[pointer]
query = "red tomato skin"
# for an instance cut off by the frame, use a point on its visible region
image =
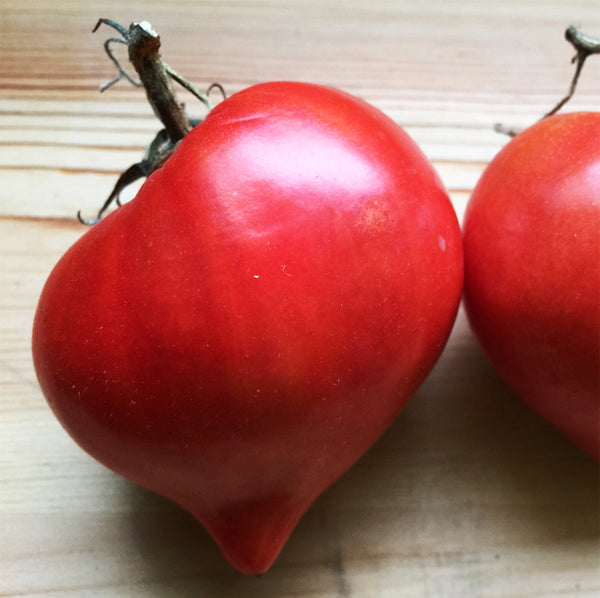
(532, 270)
(240, 333)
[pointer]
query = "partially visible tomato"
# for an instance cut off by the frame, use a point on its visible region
(239, 334)
(532, 270)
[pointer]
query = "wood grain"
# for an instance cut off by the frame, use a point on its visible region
(467, 494)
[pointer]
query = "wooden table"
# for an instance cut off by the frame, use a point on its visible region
(468, 494)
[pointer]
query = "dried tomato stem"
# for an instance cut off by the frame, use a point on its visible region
(144, 44)
(585, 46)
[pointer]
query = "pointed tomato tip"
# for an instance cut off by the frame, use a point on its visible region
(250, 564)
(252, 554)
(251, 535)
(252, 551)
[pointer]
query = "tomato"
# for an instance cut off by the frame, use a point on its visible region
(240, 333)
(532, 270)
